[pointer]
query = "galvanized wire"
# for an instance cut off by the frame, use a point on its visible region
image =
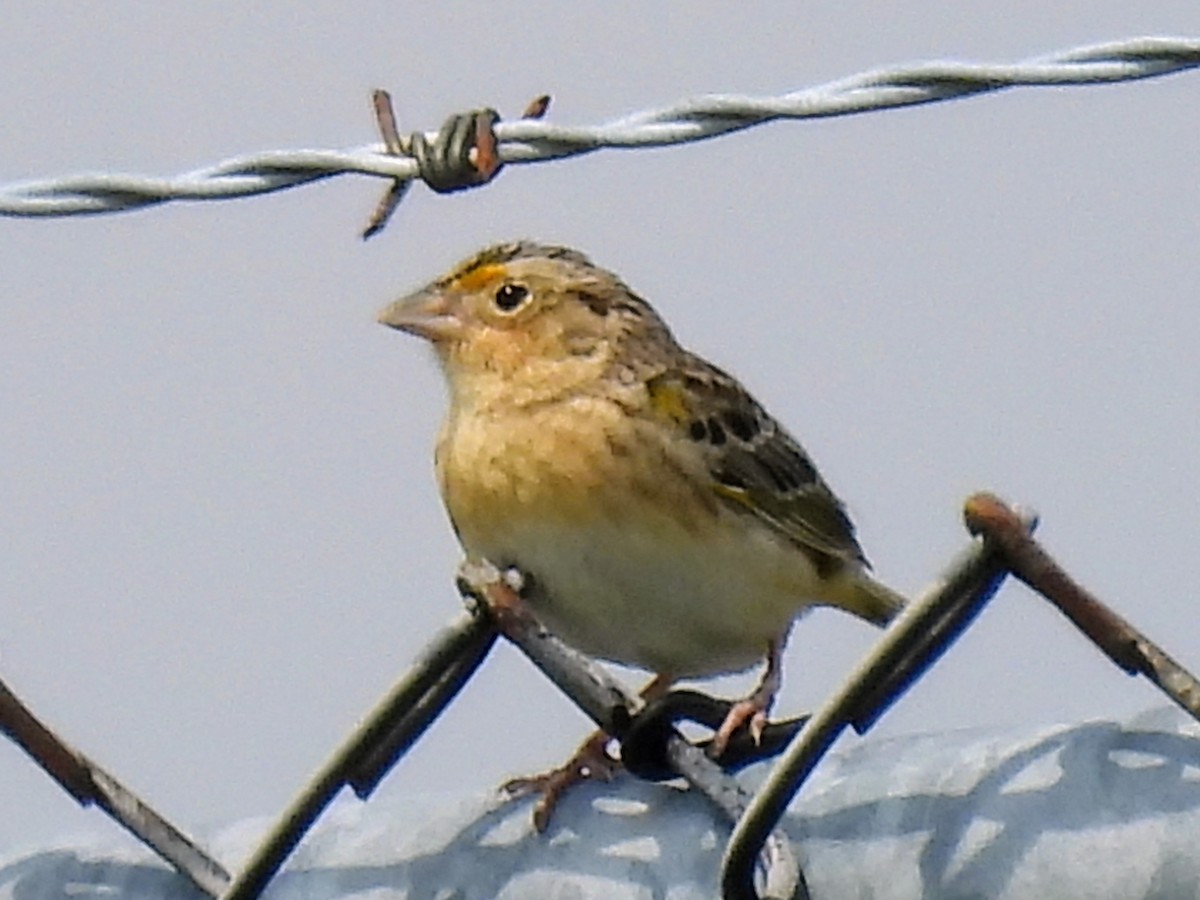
(694, 119)
(914, 641)
(374, 746)
(89, 785)
(613, 707)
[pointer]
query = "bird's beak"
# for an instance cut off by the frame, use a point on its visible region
(430, 313)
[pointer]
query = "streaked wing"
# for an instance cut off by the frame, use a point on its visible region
(757, 467)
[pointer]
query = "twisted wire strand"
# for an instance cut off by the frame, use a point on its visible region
(692, 119)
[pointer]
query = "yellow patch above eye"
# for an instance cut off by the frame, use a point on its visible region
(481, 276)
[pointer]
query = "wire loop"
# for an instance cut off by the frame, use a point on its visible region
(463, 155)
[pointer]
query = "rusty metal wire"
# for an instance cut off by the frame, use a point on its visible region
(913, 642)
(693, 119)
(919, 636)
(91, 785)
(613, 708)
(1117, 638)
(469, 151)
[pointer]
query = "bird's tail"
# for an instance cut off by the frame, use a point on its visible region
(859, 593)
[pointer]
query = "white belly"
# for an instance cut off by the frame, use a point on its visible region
(680, 603)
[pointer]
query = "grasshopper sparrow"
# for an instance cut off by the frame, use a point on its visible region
(667, 520)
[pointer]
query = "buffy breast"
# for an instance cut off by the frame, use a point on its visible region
(643, 571)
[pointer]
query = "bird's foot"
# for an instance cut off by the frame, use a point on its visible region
(752, 711)
(590, 762)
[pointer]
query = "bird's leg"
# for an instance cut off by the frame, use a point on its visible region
(752, 710)
(591, 761)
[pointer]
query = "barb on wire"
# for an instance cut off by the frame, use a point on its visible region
(694, 119)
(385, 117)
(463, 155)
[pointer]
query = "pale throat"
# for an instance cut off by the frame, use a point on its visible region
(510, 383)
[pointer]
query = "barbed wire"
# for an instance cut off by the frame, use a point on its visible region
(693, 119)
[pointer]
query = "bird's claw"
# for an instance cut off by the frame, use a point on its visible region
(591, 762)
(750, 713)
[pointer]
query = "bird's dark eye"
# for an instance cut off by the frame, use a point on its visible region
(509, 296)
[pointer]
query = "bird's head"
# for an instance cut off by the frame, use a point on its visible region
(528, 320)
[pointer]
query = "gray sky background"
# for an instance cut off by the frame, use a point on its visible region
(222, 540)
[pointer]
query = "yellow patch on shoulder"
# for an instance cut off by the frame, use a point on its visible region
(481, 276)
(737, 495)
(668, 400)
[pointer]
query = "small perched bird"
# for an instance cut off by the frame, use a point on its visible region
(667, 520)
